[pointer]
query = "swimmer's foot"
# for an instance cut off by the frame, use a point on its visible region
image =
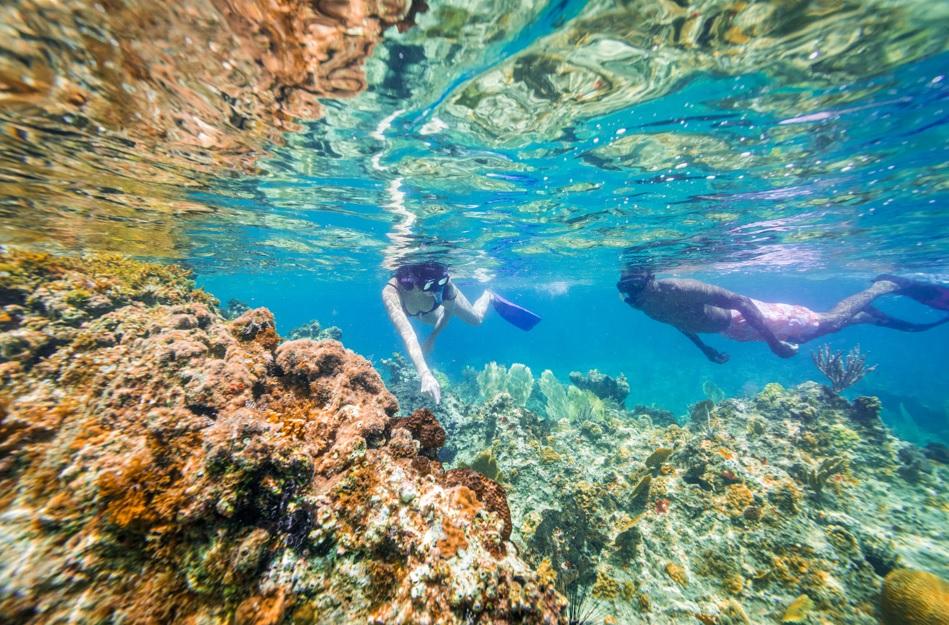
(927, 293)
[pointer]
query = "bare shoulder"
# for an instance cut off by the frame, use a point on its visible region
(683, 286)
(390, 293)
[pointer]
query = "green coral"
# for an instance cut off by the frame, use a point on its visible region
(486, 464)
(518, 382)
(571, 403)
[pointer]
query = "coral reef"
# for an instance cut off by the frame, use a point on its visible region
(792, 504)
(159, 464)
(603, 386)
(313, 330)
(788, 506)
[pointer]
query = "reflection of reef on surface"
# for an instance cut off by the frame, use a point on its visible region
(159, 464)
(617, 54)
(147, 99)
(793, 504)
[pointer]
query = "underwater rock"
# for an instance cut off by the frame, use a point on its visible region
(314, 331)
(913, 597)
(914, 463)
(658, 416)
(488, 492)
(159, 464)
(603, 386)
(937, 451)
(234, 309)
(424, 428)
(867, 409)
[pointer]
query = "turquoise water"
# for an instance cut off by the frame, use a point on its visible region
(787, 151)
(790, 187)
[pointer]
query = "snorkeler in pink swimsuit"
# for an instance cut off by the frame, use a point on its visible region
(695, 307)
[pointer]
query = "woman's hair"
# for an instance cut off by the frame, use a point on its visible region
(417, 274)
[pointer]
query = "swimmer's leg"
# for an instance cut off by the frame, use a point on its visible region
(471, 313)
(846, 310)
(883, 320)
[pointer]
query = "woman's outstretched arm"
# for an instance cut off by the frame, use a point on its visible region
(403, 326)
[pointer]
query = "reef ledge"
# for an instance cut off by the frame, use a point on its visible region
(160, 464)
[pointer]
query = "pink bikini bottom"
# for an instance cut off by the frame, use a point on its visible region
(787, 321)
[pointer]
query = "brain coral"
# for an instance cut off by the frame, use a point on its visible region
(913, 597)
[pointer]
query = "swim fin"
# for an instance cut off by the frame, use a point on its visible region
(514, 314)
(926, 293)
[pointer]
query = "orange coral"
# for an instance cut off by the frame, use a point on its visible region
(453, 539)
(737, 498)
(677, 574)
(488, 492)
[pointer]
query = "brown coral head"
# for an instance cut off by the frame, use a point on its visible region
(424, 428)
(257, 324)
(489, 493)
(912, 597)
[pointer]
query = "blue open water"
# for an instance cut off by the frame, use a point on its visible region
(796, 191)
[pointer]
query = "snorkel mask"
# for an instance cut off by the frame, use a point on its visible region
(429, 277)
(632, 283)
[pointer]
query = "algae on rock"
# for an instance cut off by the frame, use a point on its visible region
(159, 464)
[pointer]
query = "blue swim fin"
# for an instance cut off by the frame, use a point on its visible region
(514, 314)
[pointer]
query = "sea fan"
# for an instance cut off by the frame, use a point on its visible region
(842, 370)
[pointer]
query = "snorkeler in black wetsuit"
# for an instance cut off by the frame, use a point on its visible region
(695, 307)
(425, 290)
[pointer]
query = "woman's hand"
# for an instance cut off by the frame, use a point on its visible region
(430, 387)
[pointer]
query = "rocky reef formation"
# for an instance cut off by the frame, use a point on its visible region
(790, 506)
(314, 331)
(159, 464)
(129, 99)
(602, 385)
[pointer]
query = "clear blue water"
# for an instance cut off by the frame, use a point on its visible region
(788, 151)
(793, 190)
